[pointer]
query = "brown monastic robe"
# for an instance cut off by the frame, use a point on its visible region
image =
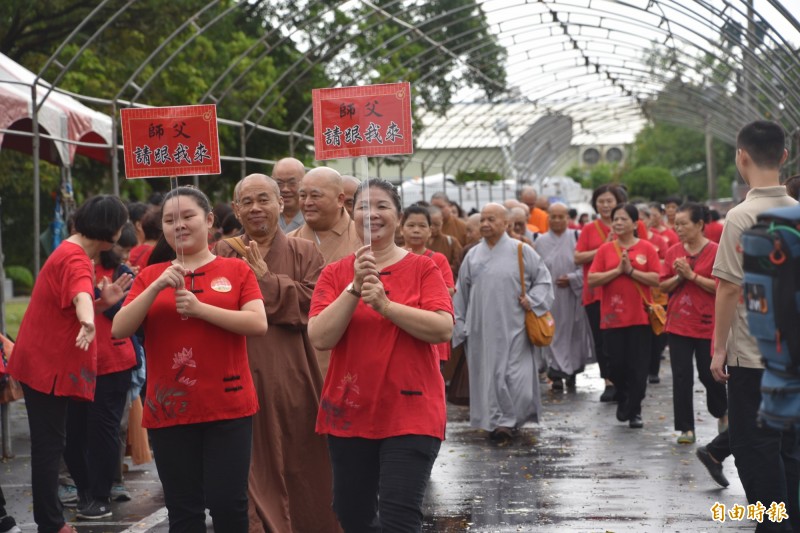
(338, 244)
(448, 246)
(290, 473)
(457, 228)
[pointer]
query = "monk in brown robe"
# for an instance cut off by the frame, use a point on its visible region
(290, 481)
(451, 225)
(327, 223)
(447, 245)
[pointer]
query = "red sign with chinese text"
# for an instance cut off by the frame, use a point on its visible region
(362, 121)
(170, 141)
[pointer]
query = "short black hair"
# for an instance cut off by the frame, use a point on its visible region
(230, 224)
(793, 186)
(657, 205)
(385, 186)
(674, 199)
(101, 217)
(127, 239)
(573, 213)
(697, 212)
(628, 208)
(416, 210)
(136, 211)
(608, 187)
(764, 141)
(151, 223)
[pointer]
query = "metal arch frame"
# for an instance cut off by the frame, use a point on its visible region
(560, 11)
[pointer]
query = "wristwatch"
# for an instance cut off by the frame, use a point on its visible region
(352, 290)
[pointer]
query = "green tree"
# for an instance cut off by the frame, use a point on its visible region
(681, 150)
(652, 183)
(463, 176)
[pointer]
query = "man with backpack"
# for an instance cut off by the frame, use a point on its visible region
(763, 457)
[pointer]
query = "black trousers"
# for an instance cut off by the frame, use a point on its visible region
(628, 352)
(92, 451)
(659, 342)
(765, 458)
(201, 466)
(47, 417)
(682, 351)
(593, 314)
(379, 485)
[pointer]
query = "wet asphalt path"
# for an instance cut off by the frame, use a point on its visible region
(578, 470)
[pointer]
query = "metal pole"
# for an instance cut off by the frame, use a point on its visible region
(36, 207)
(4, 418)
(114, 154)
(243, 150)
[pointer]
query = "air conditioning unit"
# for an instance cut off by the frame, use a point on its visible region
(590, 155)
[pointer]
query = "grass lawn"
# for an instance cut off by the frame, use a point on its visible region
(14, 312)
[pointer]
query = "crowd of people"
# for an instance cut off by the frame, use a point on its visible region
(296, 379)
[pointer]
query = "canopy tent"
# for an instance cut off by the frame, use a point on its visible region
(61, 118)
(32, 111)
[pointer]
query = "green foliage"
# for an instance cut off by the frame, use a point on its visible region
(464, 176)
(652, 183)
(23, 277)
(681, 150)
(14, 313)
(602, 173)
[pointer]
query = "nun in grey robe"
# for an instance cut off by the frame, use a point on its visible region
(572, 347)
(503, 383)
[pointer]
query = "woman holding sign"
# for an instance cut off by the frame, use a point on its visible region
(382, 407)
(200, 395)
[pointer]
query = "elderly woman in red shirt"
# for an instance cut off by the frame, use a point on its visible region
(686, 275)
(382, 405)
(626, 268)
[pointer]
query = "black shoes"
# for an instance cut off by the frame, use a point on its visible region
(622, 411)
(653, 378)
(608, 394)
(558, 384)
(95, 510)
(714, 468)
(636, 422)
(9, 525)
(570, 382)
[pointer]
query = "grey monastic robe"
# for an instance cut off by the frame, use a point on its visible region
(503, 385)
(572, 345)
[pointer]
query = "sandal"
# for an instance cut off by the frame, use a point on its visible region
(687, 437)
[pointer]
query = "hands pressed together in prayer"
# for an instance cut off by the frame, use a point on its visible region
(255, 260)
(682, 268)
(625, 266)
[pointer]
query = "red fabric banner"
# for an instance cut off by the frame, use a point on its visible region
(371, 120)
(170, 141)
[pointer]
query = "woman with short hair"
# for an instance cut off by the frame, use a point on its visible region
(55, 357)
(626, 268)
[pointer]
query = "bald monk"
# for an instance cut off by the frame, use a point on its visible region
(490, 316)
(289, 488)
(287, 173)
(349, 184)
(538, 217)
(447, 245)
(327, 224)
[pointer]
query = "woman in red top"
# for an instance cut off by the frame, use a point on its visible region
(55, 357)
(626, 268)
(200, 395)
(416, 232)
(92, 448)
(686, 275)
(604, 199)
(382, 406)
